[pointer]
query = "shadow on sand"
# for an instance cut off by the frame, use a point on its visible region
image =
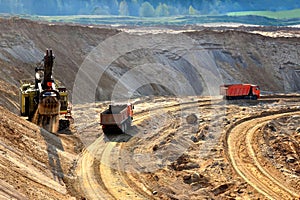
(53, 145)
(116, 135)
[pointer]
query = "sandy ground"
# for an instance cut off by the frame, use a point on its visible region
(35, 164)
(165, 157)
(231, 150)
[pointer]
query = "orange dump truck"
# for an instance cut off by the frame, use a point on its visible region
(240, 91)
(117, 116)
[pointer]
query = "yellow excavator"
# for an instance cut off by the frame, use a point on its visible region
(42, 101)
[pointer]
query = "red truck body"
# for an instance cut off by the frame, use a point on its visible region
(117, 116)
(240, 91)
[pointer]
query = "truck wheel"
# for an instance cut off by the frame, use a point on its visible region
(129, 121)
(128, 125)
(253, 97)
(123, 128)
(105, 130)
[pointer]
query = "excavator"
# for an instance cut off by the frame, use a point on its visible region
(42, 101)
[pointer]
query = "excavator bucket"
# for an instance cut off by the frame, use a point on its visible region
(47, 113)
(49, 103)
(49, 123)
(49, 106)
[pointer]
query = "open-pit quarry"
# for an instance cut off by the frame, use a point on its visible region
(186, 141)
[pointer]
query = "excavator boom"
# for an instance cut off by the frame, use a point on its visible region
(48, 65)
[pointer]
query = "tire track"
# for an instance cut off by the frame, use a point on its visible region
(242, 155)
(117, 180)
(98, 180)
(250, 142)
(132, 178)
(93, 169)
(90, 184)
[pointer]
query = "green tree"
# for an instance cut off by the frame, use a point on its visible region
(147, 10)
(162, 10)
(173, 10)
(133, 7)
(123, 8)
(205, 7)
(113, 6)
(101, 10)
(192, 11)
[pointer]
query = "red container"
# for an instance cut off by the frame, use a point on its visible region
(240, 91)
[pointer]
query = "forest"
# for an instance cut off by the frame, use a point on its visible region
(141, 8)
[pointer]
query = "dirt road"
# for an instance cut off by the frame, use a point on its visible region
(242, 153)
(102, 167)
(125, 166)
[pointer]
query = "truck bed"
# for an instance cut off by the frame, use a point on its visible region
(115, 109)
(235, 90)
(115, 115)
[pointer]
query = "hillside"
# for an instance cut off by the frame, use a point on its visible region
(199, 60)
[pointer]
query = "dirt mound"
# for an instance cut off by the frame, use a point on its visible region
(34, 163)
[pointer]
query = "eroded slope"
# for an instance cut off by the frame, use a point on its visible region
(34, 163)
(200, 58)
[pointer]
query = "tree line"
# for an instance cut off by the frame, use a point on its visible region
(142, 8)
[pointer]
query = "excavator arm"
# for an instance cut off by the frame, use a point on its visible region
(48, 65)
(48, 109)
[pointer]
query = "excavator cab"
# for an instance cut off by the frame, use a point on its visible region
(256, 91)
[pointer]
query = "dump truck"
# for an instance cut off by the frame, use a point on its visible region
(240, 91)
(41, 100)
(117, 117)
